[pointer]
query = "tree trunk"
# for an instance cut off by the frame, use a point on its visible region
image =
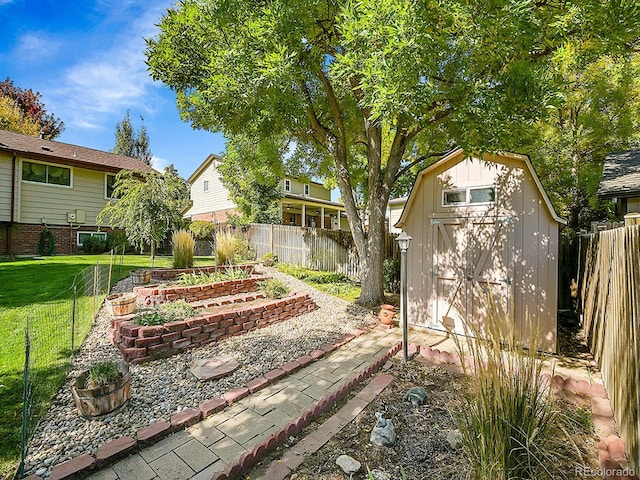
(371, 266)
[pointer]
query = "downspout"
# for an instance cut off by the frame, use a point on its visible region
(13, 205)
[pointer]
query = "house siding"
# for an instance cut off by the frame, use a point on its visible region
(315, 190)
(5, 188)
(53, 202)
(394, 215)
(215, 199)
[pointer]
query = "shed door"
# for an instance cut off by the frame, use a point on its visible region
(471, 266)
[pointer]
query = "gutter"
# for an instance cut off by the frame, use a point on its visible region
(13, 205)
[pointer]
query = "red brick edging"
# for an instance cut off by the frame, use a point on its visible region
(151, 295)
(83, 465)
(172, 273)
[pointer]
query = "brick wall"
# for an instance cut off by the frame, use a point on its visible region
(153, 295)
(140, 344)
(172, 273)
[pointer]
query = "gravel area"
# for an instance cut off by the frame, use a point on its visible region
(163, 387)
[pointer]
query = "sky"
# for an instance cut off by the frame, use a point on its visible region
(86, 58)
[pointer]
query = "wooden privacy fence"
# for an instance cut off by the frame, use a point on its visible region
(316, 248)
(611, 309)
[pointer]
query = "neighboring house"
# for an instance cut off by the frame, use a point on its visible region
(302, 204)
(482, 226)
(396, 206)
(621, 181)
(55, 186)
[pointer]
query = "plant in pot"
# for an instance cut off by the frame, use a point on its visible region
(101, 389)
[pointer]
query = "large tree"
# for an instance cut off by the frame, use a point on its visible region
(360, 86)
(132, 143)
(13, 120)
(146, 205)
(29, 103)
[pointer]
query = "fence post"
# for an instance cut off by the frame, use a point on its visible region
(73, 317)
(25, 401)
(96, 278)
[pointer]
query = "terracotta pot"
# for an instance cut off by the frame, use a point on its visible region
(122, 303)
(140, 277)
(386, 314)
(93, 402)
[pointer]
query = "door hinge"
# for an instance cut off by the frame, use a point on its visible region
(435, 222)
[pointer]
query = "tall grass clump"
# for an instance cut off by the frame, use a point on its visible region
(183, 247)
(512, 427)
(232, 249)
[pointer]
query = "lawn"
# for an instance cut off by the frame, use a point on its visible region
(40, 288)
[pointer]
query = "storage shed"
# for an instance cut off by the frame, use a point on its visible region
(482, 226)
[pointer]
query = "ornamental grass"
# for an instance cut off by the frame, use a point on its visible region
(183, 249)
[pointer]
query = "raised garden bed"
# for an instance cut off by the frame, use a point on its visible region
(151, 295)
(143, 343)
(165, 274)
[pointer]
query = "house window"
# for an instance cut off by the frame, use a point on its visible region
(109, 182)
(468, 196)
(306, 189)
(287, 185)
(82, 236)
(206, 185)
(44, 173)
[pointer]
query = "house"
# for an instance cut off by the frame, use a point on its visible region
(56, 186)
(482, 226)
(395, 207)
(302, 204)
(621, 181)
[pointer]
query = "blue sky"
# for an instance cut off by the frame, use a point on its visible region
(86, 58)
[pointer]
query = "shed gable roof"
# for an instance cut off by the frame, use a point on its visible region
(620, 175)
(459, 154)
(67, 154)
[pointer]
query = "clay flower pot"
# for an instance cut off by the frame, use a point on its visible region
(386, 314)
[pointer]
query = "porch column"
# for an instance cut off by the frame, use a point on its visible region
(322, 217)
(304, 215)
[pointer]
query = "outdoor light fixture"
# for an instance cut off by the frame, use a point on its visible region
(404, 241)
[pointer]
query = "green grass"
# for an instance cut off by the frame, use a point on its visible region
(27, 287)
(335, 284)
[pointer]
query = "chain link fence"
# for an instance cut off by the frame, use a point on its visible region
(54, 332)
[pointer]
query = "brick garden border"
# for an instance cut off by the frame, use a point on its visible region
(106, 454)
(139, 344)
(172, 273)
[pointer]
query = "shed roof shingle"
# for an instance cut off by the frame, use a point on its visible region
(49, 150)
(621, 175)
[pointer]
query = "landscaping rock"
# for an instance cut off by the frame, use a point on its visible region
(384, 433)
(349, 465)
(213, 367)
(380, 475)
(454, 438)
(416, 395)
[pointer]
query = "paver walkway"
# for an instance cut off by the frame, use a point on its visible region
(209, 446)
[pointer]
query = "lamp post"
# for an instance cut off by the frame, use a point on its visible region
(404, 241)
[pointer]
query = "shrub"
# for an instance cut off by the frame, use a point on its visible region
(274, 288)
(183, 248)
(232, 249)
(94, 245)
(511, 425)
(391, 275)
(167, 312)
(202, 230)
(117, 241)
(269, 259)
(102, 374)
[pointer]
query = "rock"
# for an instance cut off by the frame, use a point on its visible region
(349, 465)
(41, 471)
(384, 433)
(214, 367)
(416, 395)
(454, 438)
(380, 475)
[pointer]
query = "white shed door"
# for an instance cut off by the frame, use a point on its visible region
(471, 266)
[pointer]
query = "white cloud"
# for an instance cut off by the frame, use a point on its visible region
(160, 164)
(34, 46)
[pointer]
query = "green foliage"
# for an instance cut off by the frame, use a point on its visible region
(166, 312)
(312, 276)
(353, 92)
(148, 205)
(130, 143)
(269, 259)
(511, 425)
(94, 245)
(274, 288)
(232, 249)
(391, 275)
(202, 230)
(183, 248)
(195, 278)
(102, 374)
(117, 241)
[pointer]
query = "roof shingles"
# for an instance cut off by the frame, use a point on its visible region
(621, 175)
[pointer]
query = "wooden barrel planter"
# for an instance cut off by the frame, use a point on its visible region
(122, 303)
(386, 314)
(94, 402)
(140, 277)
